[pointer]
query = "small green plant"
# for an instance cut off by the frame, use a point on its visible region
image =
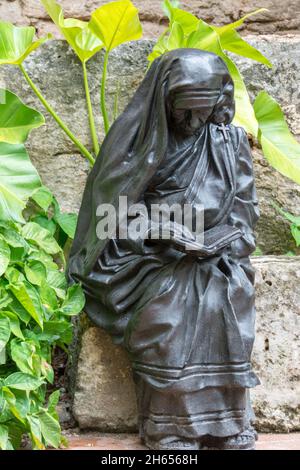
(35, 302)
(294, 224)
(35, 310)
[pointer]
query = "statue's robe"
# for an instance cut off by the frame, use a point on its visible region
(187, 322)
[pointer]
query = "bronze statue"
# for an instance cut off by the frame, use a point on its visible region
(186, 316)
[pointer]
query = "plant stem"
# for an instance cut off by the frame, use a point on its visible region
(90, 110)
(49, 108)
(103, 102)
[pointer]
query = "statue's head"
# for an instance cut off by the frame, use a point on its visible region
(199, 90)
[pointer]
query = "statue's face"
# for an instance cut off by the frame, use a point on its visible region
(189, 120)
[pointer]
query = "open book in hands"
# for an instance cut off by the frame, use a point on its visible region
(215, 239)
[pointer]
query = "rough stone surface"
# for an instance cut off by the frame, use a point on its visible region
(282, 15)
(104, 392)
(105, 396)
(57, 72)
(277, 349)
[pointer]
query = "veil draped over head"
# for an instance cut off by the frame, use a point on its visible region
(138, 140)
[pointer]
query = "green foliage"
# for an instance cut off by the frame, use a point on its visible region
(35, 302)
(294, 223)
(35, 311)
(279, 146)
(78, 34)
(16, 43)
(116, 23)
(16, 119)
(18, 180)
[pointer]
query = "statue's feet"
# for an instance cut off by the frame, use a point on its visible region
(172, 443)
(242, 441)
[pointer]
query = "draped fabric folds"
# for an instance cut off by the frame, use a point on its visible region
(187, 322)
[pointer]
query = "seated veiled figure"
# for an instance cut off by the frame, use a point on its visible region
(186, 316)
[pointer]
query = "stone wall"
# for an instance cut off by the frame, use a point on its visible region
(283, 16)
(57, 72)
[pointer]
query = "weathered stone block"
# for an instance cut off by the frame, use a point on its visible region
(104, 395)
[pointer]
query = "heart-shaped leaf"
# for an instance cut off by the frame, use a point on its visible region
(17, 42)
(116, 23)
(18, 180)
(17, 119)
(233, 42)
(77, 33)
(279, 146)
(21, 381)
(4, 255)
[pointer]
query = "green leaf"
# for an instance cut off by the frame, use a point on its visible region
(14, 323)
(67, 223)
(17, 119)
(240, 22)
(35, 431)
(14, 239)
(50, 429)
(295, 231)
(74, 301)
(4, 256)
(19, 310)
(47, 371)
(3, 437)
(290, 217)
(41, 237)
(77, 33)
(115, 23)
(43, 197)
(4, 333)
(16, 43)
(21, 381)
(60, 330)
(53, 401)
(57, 280)
(22, 354)
(43, 221)
(12, 403)
(187, 21)
(279, 146)
(168, 6)
(26, 295)
(35, 272)
(233, 42)
(18, 180)
(176, 38)
(48, 297)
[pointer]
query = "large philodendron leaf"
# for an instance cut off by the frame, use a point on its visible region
(279, 146)
(187, 21)
(77, 33)
(233, 42)
(16, 43)
(116, 23)
(16, 119)
(18, 180)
